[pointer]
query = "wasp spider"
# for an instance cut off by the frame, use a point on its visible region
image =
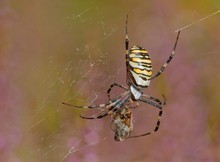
(139, 75)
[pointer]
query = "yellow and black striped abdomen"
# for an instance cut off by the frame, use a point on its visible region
(139, 70)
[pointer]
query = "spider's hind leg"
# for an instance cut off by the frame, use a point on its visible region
(168, 60)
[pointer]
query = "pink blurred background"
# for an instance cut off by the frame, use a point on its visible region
(54, 51)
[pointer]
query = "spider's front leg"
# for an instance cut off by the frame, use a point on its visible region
(159, 105)
(155, 99)
(100, 115)
(155, 129)
(111, 86)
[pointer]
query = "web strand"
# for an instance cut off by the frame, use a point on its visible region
(198, 21)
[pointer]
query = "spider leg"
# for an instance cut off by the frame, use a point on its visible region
(89, 107)
(155, 129)
(126, 36)
(114, 108)
(159, 106)
(127, 48)
(97, 117)
(111, 86)
(159, 115)
(108, 105)
(168, 60)
(111, 107)
(155, 99)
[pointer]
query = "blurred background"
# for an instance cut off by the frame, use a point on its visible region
(71, 51)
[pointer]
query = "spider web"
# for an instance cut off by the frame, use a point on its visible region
(80, 70)
(90, 67)
(89, 59)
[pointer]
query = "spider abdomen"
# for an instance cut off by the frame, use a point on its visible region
(139, 69)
